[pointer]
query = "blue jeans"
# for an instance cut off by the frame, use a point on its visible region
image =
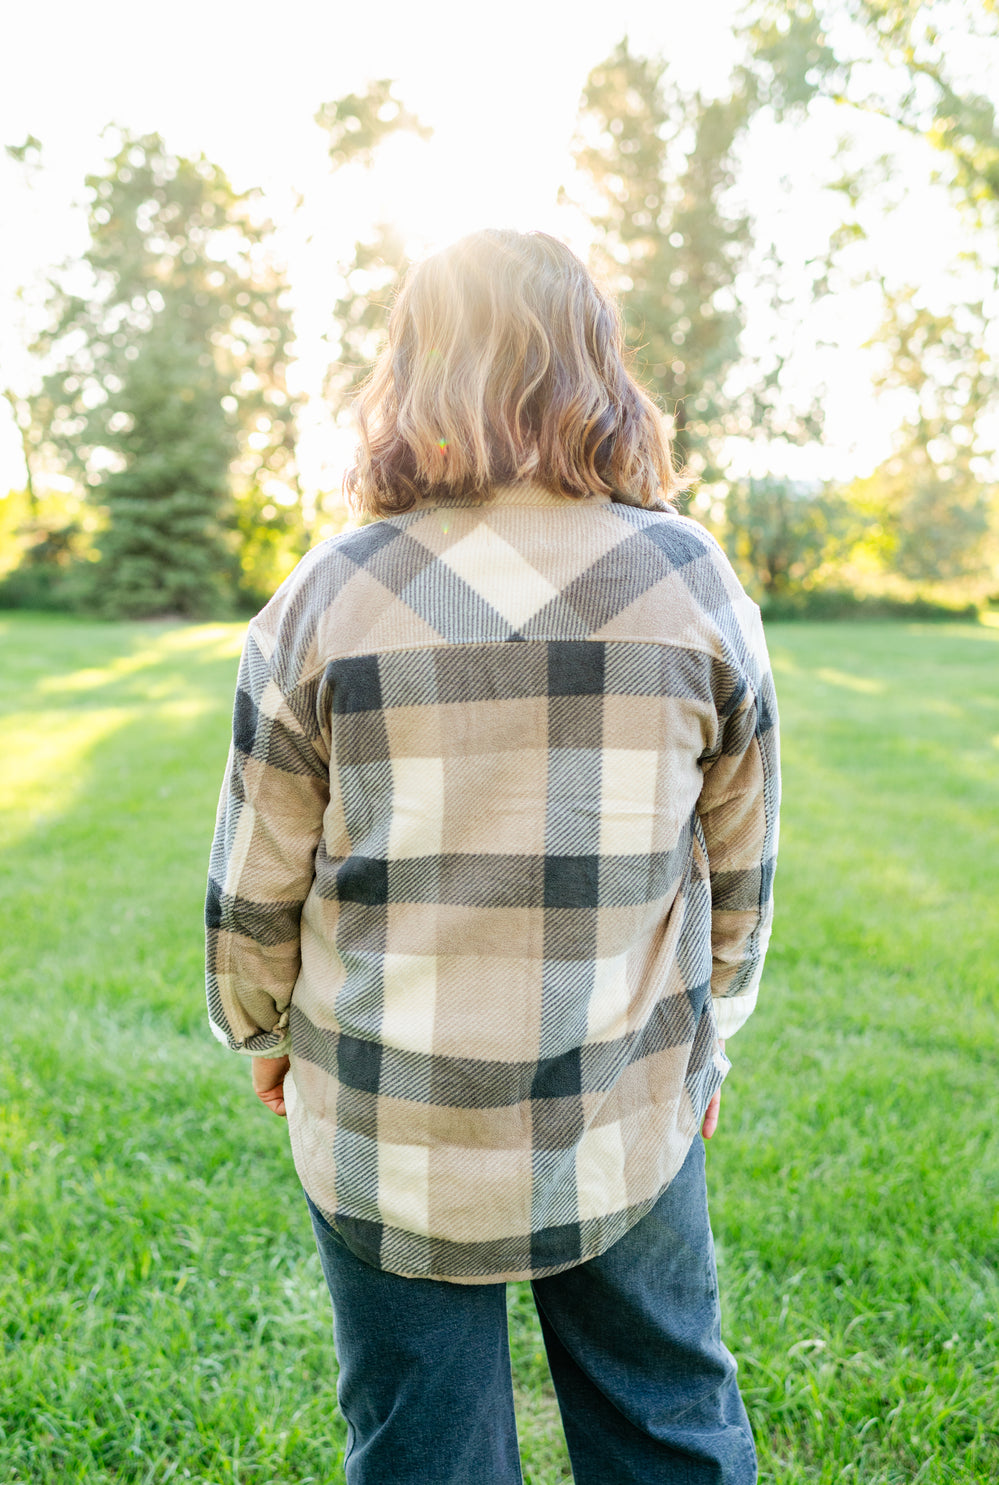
(646, 1389)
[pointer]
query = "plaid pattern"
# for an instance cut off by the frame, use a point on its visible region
(493, 861)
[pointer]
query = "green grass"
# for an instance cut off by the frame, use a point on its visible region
(164, 1316)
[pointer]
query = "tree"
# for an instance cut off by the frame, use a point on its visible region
(43, 540)
(783, 535)
(29, 157)
(358, 123)
(20, 410)
(166, 391)
(656, 164)
(361, 313)
(930, 504)
(356, 126)
(920, 90)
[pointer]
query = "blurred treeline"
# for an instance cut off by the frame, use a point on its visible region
(161, 396)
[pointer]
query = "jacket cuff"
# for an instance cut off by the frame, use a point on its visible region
(273, 1043)
(733, 1011)
(280, 1049)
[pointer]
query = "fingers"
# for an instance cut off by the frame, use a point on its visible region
(273, 1098)
(268, 1082)
(712, 1111)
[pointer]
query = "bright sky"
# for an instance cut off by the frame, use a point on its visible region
(500, 86)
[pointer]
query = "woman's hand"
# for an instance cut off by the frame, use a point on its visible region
(711, 1112)
(268, 1081)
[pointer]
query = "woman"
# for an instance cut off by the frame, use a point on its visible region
(491, 879)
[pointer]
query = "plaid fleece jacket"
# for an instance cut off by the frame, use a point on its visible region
(493, 863)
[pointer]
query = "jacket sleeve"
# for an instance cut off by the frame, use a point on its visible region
(270, 819)
(738, 811)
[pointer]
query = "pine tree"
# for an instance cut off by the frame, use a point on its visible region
(168, 392)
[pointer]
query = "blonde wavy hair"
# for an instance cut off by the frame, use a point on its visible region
(505, 362)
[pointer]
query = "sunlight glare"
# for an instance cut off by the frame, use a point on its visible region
(438, 190)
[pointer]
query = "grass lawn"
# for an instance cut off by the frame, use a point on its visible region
(164, 1316)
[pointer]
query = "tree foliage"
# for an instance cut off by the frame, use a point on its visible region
(924, 525)
(166, 391)
(930, 507)
(919, 87)
(659, 168)
(356, 126)
(656, 163)
(27, 155)
(164, 356)
(358, 123)
(361, 312)
(783, 536)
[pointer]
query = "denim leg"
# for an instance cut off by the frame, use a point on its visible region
(646, 1388)
(424, 1380)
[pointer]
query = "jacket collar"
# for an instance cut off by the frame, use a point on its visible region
(523, 492)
